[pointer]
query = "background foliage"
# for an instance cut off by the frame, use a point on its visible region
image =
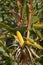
(11, 14)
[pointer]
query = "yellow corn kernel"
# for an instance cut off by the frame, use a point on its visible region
(20, 38)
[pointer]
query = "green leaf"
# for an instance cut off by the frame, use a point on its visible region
(12, 30)
(3, 52)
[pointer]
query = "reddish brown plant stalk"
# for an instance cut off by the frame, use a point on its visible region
(29, 16)
(29, 19)
(21, 22)
(20, 8)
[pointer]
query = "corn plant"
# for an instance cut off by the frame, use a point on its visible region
(21, 32)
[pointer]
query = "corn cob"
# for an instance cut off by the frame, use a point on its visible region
(38, 46)
(20, 38)
(32, 42)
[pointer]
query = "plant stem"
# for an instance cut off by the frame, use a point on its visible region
(20, 8)
(29, 18)
(21, 16)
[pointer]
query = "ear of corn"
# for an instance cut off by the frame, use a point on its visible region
(32, 42)
(38, 46)
(20, 38)
(35, 45)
